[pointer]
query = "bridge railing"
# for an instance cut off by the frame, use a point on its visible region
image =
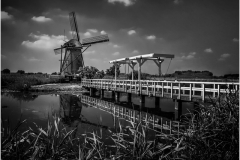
(190, 91)
(154, 122)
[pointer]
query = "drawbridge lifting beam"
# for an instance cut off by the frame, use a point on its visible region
(140, 60)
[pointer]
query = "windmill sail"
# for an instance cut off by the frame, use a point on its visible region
(97, 39)
(74, 26)
(59, 51)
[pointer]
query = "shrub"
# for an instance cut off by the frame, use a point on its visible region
(6, 71)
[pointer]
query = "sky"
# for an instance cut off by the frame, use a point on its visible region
(202, 34)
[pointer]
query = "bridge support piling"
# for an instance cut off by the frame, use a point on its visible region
(92, 92)
(101, 93)
(113, 95)
(117, 96)
(178, 108)
(157, 102)
(142, 99)
(129, 97)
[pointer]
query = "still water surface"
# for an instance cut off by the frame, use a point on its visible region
(74, 112)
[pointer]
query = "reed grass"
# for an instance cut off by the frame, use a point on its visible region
(22, 82)
(212, 133)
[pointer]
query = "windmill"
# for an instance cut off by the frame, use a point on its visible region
(72, 51)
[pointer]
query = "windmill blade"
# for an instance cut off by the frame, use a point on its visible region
(59, 50)
(74, 26)
(97, 39)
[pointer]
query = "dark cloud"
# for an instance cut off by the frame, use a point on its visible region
(134, 27)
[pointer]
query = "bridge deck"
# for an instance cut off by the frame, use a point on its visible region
(188, 91)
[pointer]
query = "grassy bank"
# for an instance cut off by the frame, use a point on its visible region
(212, 133)
(22, 82)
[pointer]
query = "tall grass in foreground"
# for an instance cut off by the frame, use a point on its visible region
(212, 133)
(214, 130)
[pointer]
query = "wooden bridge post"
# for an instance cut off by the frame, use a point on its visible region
(129, 97)
(142, 99)
(203, 92)
(157, 102)
(178, 108)
(117, 96)
(101, 93)
(113, 95)
(92, 92)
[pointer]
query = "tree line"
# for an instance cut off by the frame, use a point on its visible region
(91, 72)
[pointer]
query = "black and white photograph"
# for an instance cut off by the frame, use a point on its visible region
(120, 79)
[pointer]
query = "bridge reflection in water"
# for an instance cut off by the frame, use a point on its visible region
(74, 112)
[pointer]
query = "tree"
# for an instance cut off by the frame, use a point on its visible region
(111, 71)
(21, 71)
(99, 75)
(6, 71)
(87, 72)
(54, 73)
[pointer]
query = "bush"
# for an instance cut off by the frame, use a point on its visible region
(6, 71)
(20, 71)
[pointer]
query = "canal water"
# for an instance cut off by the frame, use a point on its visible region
(78, 110)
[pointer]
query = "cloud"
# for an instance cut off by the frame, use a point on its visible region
(131, 32)
(116, 46)
(125, 2)
(191, 55)
(224, 56)
(44, 42)
(116, 53)
(87, 34)
(135, 52)
(41, 19)
(93, 30)
(5, 15)
(103, 32)
(177, 1)
(151, 37)
(235, 40)
(208, 50)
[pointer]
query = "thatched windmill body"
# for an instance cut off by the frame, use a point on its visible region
(71, 51)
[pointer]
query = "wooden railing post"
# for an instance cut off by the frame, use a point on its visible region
(194, 88)
(154, 89)
(190, 92)
(126, 86)
(171, 90)
(162, 89)
(147, 87)
(135, 82)
(203, 92)
(214, 93)
(179, 91)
